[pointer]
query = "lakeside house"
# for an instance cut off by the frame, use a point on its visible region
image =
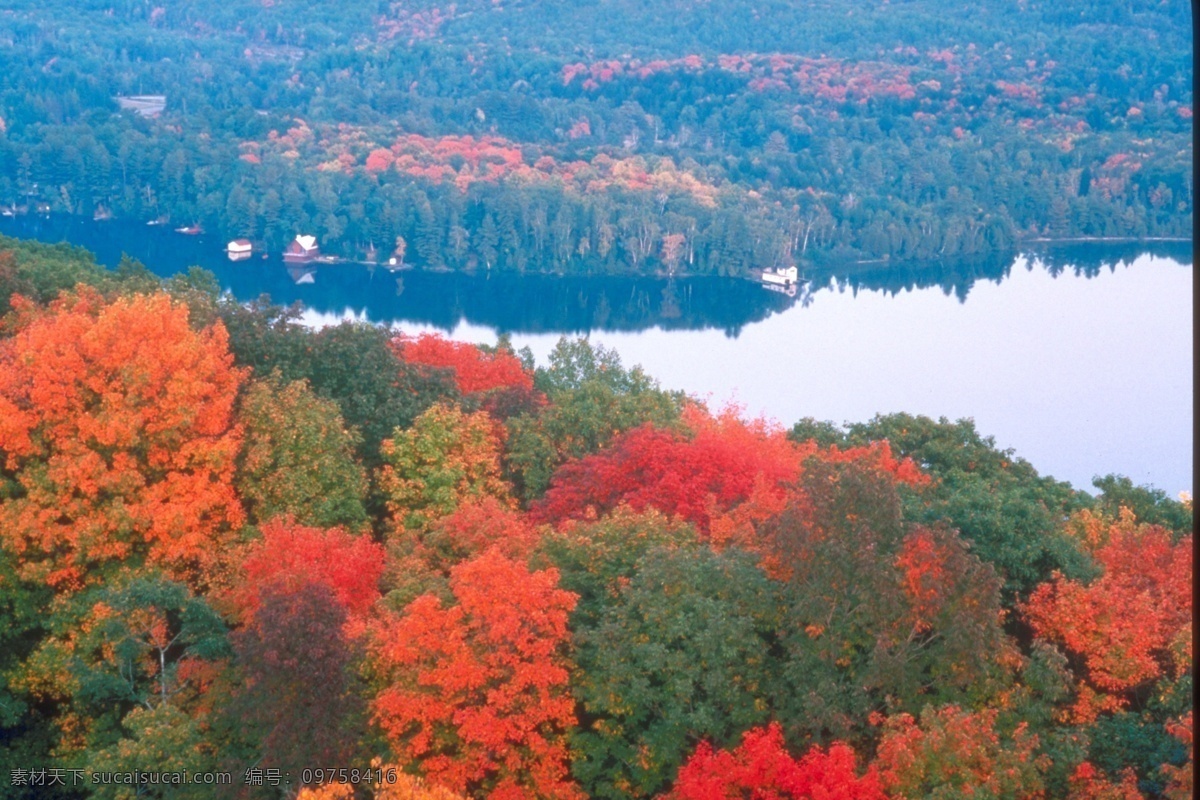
(783, 280)
(781, 277)
(302, 248)
(239, 249)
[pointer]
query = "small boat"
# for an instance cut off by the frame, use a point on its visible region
(190, 230)
(159, 221)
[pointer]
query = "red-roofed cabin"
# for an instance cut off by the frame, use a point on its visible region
(302, 248)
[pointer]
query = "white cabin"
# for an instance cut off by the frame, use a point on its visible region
(781, 277)
(239, 249)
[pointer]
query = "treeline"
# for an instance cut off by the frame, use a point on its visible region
(488, 137)
(352, 563)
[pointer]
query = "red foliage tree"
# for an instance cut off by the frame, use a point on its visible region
(474, 370)
(479, 698)
(925, 563)
(760, 768)
(116, 420)
(1129, 627)
(712, 468)
(725, 475)
(380, 160)
(290, 555)
(878, 455)
(1089, 783)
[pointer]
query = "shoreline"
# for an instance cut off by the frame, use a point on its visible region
(808, 268)
(1106, 239)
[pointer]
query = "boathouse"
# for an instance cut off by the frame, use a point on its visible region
(239, 249)
(302, 248)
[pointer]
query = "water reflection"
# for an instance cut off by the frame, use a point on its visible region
(539, 303)
(957, 278)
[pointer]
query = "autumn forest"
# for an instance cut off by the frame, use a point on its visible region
(354, 563)
(244, 556)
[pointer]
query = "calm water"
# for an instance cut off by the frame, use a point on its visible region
(1079, 358)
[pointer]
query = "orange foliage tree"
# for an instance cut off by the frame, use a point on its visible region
(479, 695)
(419, 561)
(1129, 627)
(117, 433)
(762, 769)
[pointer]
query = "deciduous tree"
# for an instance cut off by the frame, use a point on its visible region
(883, 614)
(950, 752)
(1089, 783)
(478, 694)
(298, 457)
(1129, 627)
(760, 768)
(593, 399)
(296, 658)
(715, 465)
(684, 650)
(473, 369)
(290, 555)
(1011, 515)
(1181, 779)
(445, 457)
(118, 439)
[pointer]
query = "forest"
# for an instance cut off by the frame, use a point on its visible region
(350, 563)
(607, 136)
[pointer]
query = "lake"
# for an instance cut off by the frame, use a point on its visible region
(1079, 357)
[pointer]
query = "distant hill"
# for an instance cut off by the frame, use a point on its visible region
(591, 137)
